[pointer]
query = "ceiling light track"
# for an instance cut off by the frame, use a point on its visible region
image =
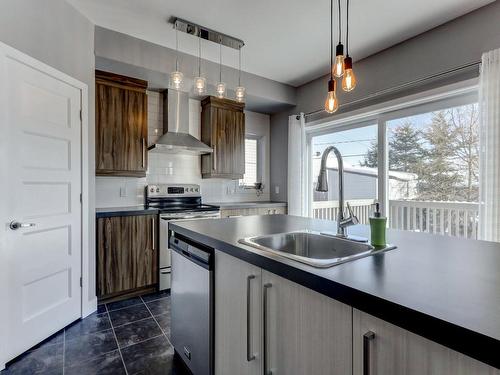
(203, 32)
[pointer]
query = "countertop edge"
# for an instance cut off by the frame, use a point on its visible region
(242, 205)
(473, 344)
(113, 212)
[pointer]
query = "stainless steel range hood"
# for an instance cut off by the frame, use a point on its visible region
(176, 137)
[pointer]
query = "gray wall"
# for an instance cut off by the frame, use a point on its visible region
(55, 33)
(453, 44)
(127, 55)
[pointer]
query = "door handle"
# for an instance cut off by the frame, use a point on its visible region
(143, 142)
(15, 225)
(264, 322)
(367, 338)
(153, 233)
(250, 355)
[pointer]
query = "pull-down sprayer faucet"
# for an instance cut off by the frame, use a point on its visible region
(342, 221)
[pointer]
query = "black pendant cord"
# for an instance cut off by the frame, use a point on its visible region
(347, 31)
(340, 24)
(176, 49)
(331, 39)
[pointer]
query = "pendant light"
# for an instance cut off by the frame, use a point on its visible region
(240, 90)
(176, 77)
(220, 89)
(200, 83)
(331, 102)
(338, 70)
(349, 80)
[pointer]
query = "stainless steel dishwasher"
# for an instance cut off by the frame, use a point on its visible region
(192, 304)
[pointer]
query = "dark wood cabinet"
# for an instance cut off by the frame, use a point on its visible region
(127, 254)
(121, 125)
(223, 129)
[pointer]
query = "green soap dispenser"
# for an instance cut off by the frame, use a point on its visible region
(377, 228)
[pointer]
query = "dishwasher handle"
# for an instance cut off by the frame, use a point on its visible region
(200, 256)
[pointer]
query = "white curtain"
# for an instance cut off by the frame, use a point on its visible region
(489, 160)
(297, 178)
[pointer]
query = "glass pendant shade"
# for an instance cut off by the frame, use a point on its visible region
(240, 94)
(338, 67)
(349, 80)
(331, 102)
(220, 89)
(200, 85)
(176, 80)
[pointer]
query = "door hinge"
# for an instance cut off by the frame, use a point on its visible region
(81, 115)
(80, 197)
(81, 283)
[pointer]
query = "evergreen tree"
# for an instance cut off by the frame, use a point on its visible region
(438, 179)
(405, 148)
(371, 157)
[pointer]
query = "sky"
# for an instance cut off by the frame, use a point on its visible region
(353, 144)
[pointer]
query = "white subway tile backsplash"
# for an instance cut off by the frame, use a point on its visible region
(178, 168)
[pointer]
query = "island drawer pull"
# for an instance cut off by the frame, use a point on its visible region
(368, 337)
(250, 355)
(264, 322)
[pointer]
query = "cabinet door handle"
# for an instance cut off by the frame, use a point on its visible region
(143, 145)
(367, 338)
(153, 233)
(264, 322)
(250, 355)
(214, 157)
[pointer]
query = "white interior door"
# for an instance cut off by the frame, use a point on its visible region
(40, 207)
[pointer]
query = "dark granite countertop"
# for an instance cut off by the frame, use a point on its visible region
(443, 288)
(124, 211)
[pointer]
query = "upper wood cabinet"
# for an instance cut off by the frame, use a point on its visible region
(223, 129)
(121, 125)
(127, 257)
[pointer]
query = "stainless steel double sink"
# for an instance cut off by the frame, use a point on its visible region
(313, 248)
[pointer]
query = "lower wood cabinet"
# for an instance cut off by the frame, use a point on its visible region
(266, 324)
(391, 350)
(127, 256)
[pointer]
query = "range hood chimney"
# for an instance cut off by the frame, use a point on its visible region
(176, 137)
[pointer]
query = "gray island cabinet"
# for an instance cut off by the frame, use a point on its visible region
(265, 324)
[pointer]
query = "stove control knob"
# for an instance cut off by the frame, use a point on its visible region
(197, 189)
(157, 189)
(152, 190)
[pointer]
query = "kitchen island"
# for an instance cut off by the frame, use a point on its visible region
(439, 289)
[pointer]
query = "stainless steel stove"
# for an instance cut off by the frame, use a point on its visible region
(179, 202)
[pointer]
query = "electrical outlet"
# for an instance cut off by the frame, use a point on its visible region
(123, 191)
(276, 189)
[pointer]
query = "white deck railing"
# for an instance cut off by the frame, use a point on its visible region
(458, 219)
(329, 209)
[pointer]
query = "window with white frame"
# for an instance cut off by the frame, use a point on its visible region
(421, 162)
(252, 162)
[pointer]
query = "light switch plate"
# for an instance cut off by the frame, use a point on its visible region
(276, 189)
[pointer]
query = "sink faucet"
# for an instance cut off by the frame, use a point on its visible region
(342, 221)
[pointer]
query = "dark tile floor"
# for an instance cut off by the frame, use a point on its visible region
(126, 337)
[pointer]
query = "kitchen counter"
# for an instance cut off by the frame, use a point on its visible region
(255, 204)
(443, 288)
(124, 211)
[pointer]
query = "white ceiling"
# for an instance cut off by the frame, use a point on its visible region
(286, 40)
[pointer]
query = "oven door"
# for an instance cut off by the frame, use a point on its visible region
(165, 253)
